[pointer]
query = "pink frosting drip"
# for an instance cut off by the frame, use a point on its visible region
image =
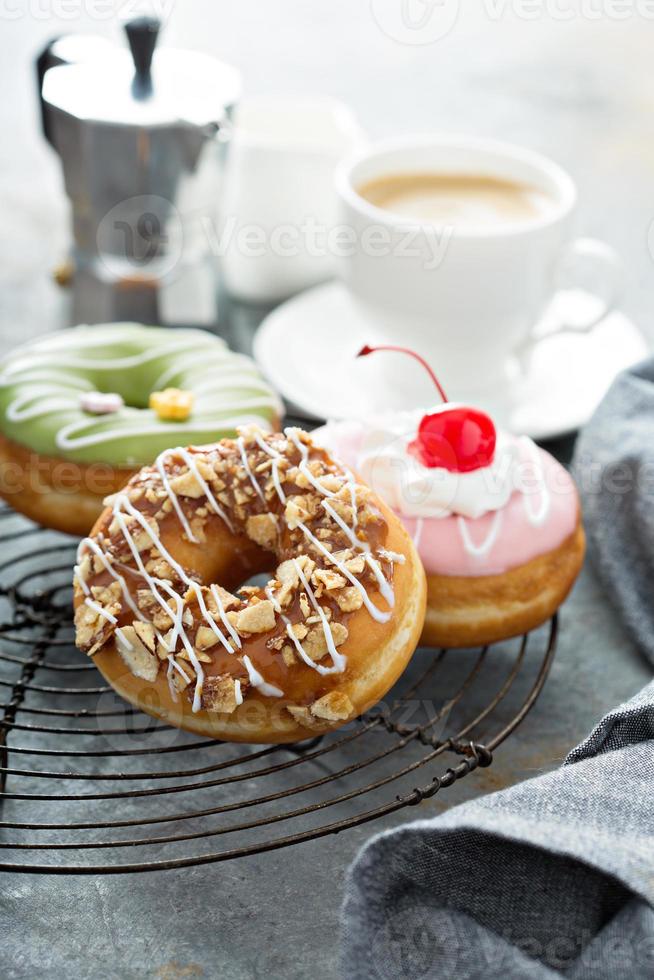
(441, 540)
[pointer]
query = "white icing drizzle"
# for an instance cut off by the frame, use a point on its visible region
(392, 556)
(536, 517)
(483, 548)
(276, 482)
(169, 678)
(256, 680)
(100, 611)
(82, 581)
(66, 442)
(223, 615)
(275, 456)
(209, 618)
(339, 661)
(159, 463)
(291, 433)
(90, 543)
(377, 614)
(271, 595)
(349, 533)
(417, 534)
(215, 506)
(384, 588)
(246, 466)
(155, 584)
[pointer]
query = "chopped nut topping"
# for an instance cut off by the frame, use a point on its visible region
(187, 485)
(349, 600)
(219, 694)
(315, 645)
(328, 579)
(288, 655)
(135, 655)
(146, 634)
(334, 706)
(300, 509)
(180, 681)
(204, 658)
(256, 619)
(262, 529)
(205, 638)
(299, 631)
(159, 568)
(228, 600)
(302, 715)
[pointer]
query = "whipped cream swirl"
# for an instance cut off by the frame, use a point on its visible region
(413, 490)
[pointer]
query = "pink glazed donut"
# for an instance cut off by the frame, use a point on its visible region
(496, 520)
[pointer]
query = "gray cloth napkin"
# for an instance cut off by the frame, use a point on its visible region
(554, 876)
(614, 467)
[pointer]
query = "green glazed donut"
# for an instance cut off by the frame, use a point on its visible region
(41, 385)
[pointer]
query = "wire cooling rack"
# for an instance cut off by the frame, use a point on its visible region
(89, 785)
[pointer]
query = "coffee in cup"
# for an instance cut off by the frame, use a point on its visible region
(465, 201)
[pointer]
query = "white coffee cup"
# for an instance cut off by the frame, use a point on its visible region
(469, 299)
(278, 202)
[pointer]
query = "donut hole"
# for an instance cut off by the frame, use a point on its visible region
(258, 580)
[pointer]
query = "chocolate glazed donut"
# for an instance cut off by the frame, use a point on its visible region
(161, 608)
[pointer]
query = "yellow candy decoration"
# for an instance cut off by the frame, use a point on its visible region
(172, 404)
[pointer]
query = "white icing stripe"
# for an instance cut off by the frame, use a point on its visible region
(291, 433)
(155, 584)
(384, 588)
(278, 486)
(377, 614)
(339, 662)
(90, 543)
(417, 534)
(65, 442)
(536, 517)
(209, 618)
(100, 611)
(159, 463)
(483, 548)
(351, 536)
(275, 456)
(77, 573)
(215, 506)
(169, 678)
(256, 680)
(353, 497)
(251, 477)
(221, 611)
(271, 595)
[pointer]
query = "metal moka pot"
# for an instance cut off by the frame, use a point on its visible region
(141, 137)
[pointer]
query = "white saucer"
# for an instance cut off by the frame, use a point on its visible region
(307, 346)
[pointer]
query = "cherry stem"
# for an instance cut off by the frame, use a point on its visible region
(366, 349)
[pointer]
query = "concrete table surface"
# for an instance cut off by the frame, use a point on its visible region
(579, 89)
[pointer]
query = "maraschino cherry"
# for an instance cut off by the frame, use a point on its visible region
(459, 439)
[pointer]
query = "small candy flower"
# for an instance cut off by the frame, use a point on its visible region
(100, 402)
(172, 404)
